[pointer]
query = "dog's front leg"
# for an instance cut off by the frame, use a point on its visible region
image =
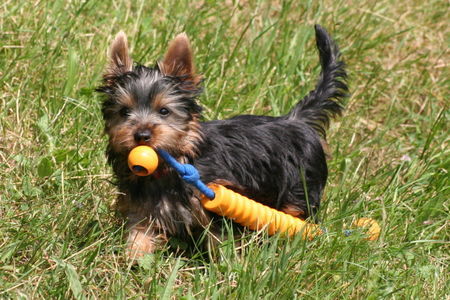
(142, 235)
(143, 238)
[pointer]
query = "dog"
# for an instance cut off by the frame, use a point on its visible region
(279, 161)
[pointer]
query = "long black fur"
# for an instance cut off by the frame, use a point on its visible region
(275, 158)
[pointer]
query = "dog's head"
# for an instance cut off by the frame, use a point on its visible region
(153, 106)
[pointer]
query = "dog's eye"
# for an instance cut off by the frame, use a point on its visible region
(164, 111)
(124, 112)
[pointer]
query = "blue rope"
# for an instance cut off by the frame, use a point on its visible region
(348, 232)
(188, 172)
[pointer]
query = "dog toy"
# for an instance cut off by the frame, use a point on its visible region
(256, 216)
(143, 160)
(216, 198)
(373, 229)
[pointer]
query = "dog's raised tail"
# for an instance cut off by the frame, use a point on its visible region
(325, 101)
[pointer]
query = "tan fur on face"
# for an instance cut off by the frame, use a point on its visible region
(167, 137)
(124, 98)
(160, 101)
(121, 138)
(192, 139)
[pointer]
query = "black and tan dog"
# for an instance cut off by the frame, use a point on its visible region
(278, 161)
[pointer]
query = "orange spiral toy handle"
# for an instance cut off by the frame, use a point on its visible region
(255, 215)
(372, 227)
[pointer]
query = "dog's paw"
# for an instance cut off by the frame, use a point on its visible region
(139, 243)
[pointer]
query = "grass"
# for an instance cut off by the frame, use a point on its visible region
(60, 238)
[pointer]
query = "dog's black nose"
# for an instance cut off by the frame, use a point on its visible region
(143, 135)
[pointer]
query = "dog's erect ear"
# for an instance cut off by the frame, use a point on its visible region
(119, 59)
(178, 60)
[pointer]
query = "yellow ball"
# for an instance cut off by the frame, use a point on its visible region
(143, 160)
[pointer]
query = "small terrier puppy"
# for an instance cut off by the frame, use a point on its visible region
(277, 161)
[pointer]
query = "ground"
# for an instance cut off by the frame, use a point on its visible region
(59, 236)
